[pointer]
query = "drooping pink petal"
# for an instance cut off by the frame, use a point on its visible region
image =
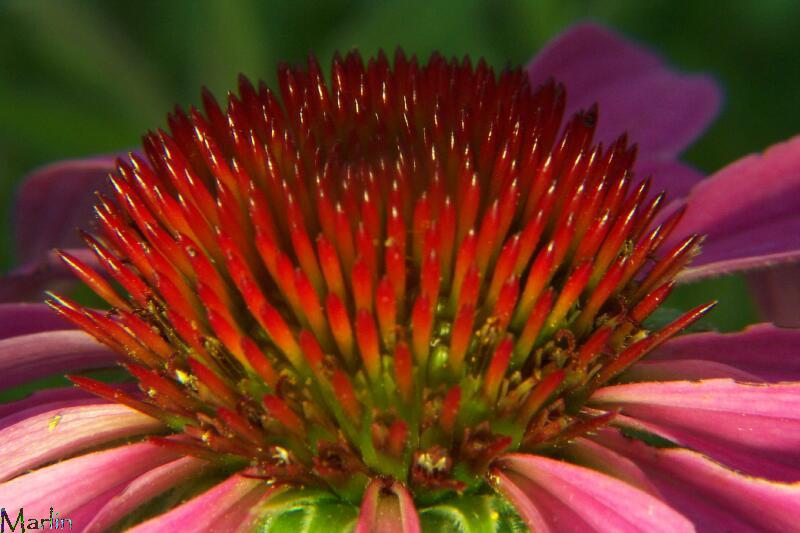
(761, 350)
(759, 414)
(718, 415)
(29, 281)
(713, 497)
(55, 200)
(62, 432)
(143, 489)
(23, 318)
(222, 507)
(37, 355)
(777, 293)
(568, 497)
(50, 205)
(69, 484)
(750, 212)
(637, 92)
(387, 507)
(758, 463)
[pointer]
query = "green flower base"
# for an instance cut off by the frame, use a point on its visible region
(312, 511)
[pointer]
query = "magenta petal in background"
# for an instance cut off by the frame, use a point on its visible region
(63, 431)
(574, 498)
(674, 177)
(55, 200)
(629, 83)
(72, 483)
(777, 293)
(221, 508)
(51, 204)
(713, 497)
(750, 213)
(762, 350)
(387, 507)
(29, 281)
(23, 318)
(38, 355)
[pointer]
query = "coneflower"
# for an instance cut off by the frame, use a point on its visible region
(400, 275)
(404, 290)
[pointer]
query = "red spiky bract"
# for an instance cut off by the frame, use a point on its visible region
(423, 249)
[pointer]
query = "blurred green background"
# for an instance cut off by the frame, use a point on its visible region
(80, 77)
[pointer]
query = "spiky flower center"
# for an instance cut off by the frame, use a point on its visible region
(403, 273)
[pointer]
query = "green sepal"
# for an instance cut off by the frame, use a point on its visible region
(488, 513)
(663, 316)
(651, 439)
(306, 510)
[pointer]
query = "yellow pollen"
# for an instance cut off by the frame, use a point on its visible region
(54, 422)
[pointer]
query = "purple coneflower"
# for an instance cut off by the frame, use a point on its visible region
(416, 298)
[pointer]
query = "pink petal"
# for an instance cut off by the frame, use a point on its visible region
(777, 292)
(37, 355)
(62, 432)
(715, 498)
(761, 350)
(750, 212)
(43, 401)
(574, 498)
(765, 415)
(387, 507)
(758, 463)
(222, 507)
(637, 92)
(84, 514)
(143, 489)
(587, 453)
(69, 484)
(522, 494)
(23, 318)
(56, 398)
(55, 200)
(755, 418)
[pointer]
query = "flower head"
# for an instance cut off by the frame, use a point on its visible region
(405, 274)
(418, 285)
